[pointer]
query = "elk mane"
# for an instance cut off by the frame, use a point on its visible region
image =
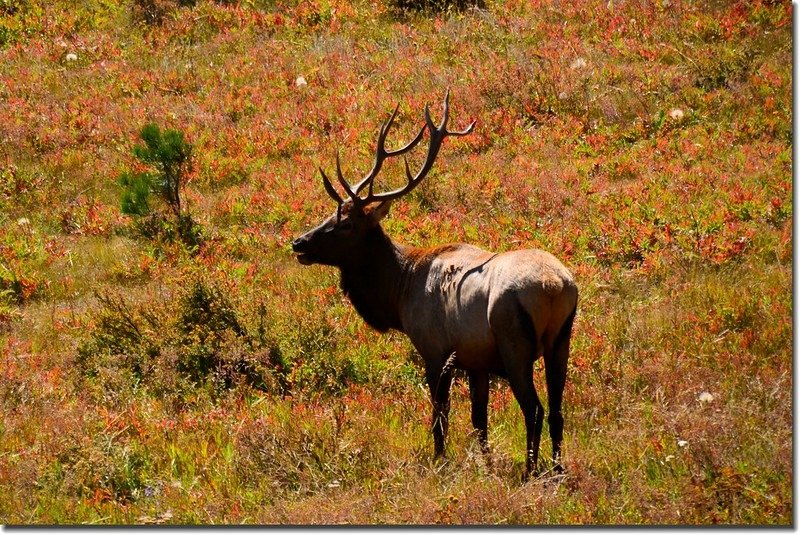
(374, 282)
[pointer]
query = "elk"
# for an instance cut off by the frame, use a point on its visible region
(461, 307)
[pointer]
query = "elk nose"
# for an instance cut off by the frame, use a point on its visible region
(296, 244)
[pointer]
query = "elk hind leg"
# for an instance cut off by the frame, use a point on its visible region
(521, 381)
(555, 369)
(518, 347)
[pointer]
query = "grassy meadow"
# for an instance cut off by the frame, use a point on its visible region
(144, 380)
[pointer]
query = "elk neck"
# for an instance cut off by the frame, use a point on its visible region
(376, 279)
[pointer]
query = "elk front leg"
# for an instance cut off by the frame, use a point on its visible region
(479, 395)
(439, 378)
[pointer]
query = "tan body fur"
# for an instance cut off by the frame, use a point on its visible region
(462, 290)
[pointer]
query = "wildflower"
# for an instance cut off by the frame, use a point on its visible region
(300, 82)
(705, 397)
(72, 56)
(578, 63)
(676, 114)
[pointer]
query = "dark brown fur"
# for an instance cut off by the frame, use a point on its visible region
(373, 281)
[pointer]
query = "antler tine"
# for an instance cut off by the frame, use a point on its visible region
(443, 125)
(464, 132)
(428, 120)
(332, 192)
(445, 111)
(437, 135)
(411, 144)
(329, 187)
(381, 153)
(343, 181)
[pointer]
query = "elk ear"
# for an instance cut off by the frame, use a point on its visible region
(378, 211)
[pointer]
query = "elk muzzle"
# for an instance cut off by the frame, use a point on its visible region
(300, 246)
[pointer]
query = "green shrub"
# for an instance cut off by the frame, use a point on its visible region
(153, 12)
(207, 320)
(436, 5)
(722, 68)
(169, 153)
(200, 339)
(19, 19)
(300, 458)
(106, 467)
(17, 285)
(172, 347)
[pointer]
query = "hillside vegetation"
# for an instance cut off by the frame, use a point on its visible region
(147, 377)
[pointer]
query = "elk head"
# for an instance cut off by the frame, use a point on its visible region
(341, 237)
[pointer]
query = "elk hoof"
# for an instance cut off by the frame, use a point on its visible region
(528, 474)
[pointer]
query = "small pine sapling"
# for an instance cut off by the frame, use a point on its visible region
(169, 156)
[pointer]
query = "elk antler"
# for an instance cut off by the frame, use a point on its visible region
(437, 135)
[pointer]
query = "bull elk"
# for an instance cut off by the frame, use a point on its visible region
(461, 307)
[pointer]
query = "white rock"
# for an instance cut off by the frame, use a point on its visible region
(72, 56)
(300, 82)
(682, 443)
(23, 221)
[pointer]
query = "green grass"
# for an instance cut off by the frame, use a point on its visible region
(647, 145)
